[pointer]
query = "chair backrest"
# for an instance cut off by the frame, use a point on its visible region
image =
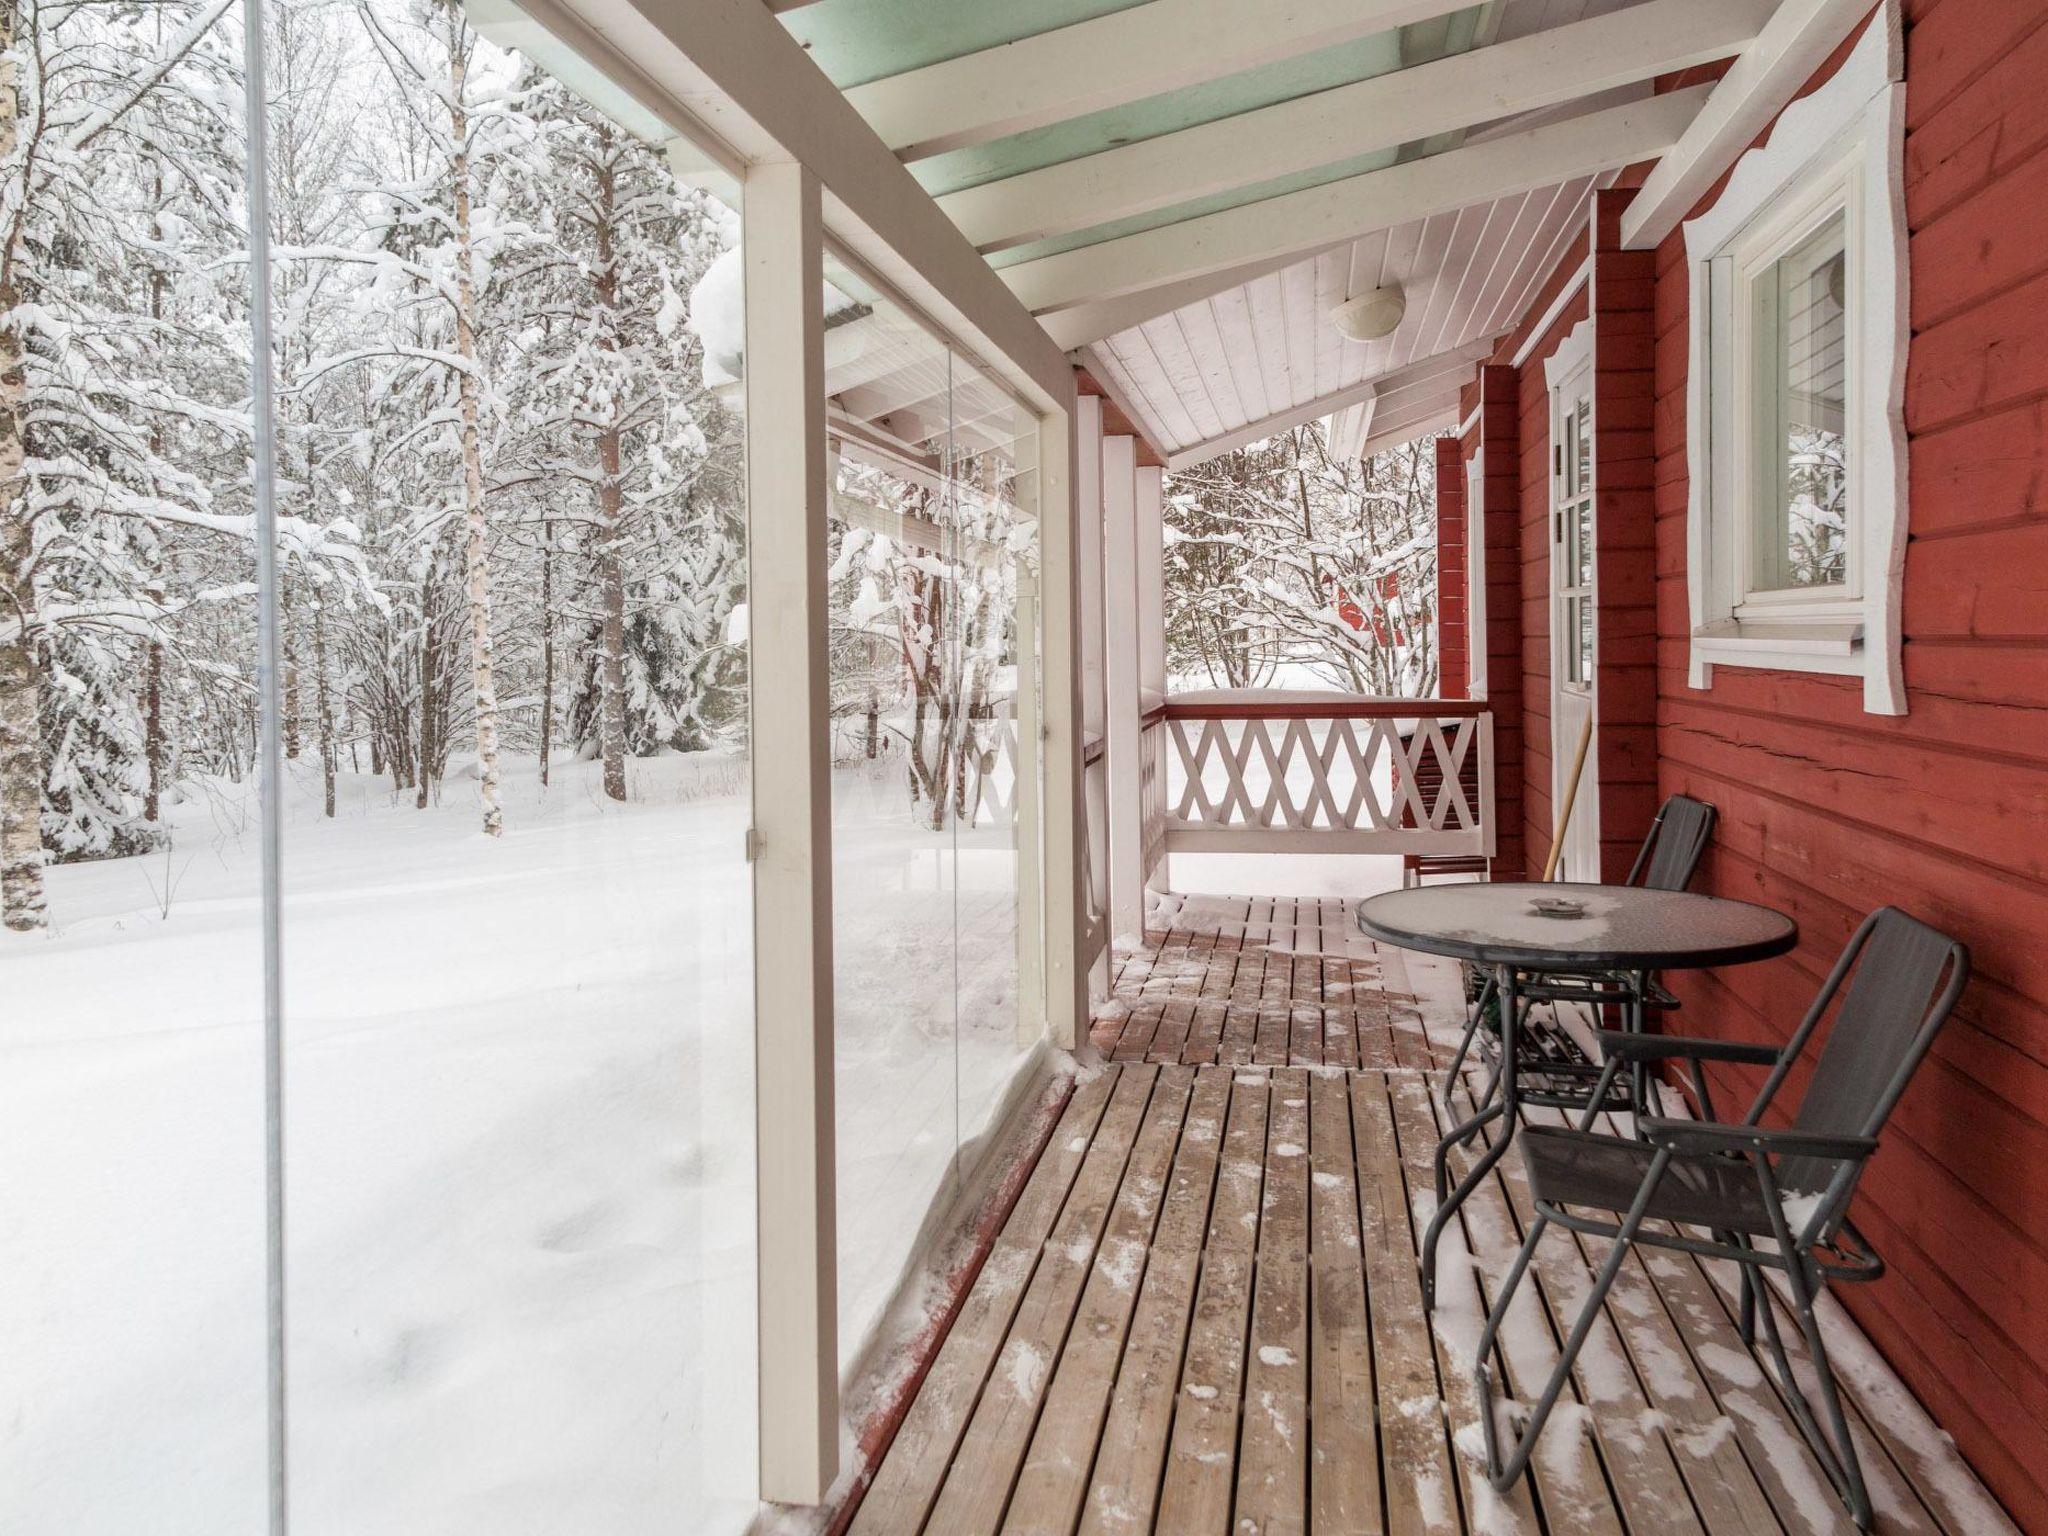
(1907, 978)
(1671, 851)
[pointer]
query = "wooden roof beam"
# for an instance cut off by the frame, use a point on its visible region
(1449, 368)
(1125, 56)
(1534, 72)
(1792, 45)
(1318, 217)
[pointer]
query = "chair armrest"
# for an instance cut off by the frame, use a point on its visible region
(1712, 1136)
(1631, 1047)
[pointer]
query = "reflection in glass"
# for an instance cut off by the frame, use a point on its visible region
(929, 536)
(1801, 334)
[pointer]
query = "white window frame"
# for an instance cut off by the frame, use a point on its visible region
(1475, 573)
(1572, 360)
(1840, 149)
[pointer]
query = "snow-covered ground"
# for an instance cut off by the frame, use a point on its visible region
(519, 1165)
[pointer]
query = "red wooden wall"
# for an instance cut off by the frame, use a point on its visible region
(1453, 614)
(1827, 811)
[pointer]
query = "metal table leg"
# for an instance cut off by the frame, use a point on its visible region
(1502, 1109)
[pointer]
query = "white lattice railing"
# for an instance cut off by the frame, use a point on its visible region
(1328, 773)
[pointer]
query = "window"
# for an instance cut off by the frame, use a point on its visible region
(1798, 431)
(1796, 534)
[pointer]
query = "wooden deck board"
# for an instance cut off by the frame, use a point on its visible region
(1203, 1316)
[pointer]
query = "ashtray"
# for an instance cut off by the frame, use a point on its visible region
(1557, 906)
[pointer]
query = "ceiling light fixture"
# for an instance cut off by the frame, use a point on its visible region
(1372, 315)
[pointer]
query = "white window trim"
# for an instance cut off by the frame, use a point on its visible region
(1475, 573)
(1854, 125)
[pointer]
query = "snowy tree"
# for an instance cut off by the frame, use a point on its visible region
(435, 246)
(123, 417)
(624, 431)
(1285, 559)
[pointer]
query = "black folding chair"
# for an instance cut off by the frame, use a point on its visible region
(1667, 860)
(1749, 1182)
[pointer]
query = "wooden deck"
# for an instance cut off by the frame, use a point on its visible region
(1202, 1317)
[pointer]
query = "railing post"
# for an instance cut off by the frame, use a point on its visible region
(1088, 574)
(1151, 549)
(797, 1235)
(1121, 683)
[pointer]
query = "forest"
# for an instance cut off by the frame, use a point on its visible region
(510, 506)
(1289, 566)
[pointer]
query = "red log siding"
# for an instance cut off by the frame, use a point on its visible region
(1454, 676)
(1499, 512)
(1622, 296)
(1827, 811)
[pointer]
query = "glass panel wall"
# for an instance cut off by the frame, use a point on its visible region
(516, 906)
(892, 590)
(512, 720)
(995, 644)
(930, 531)
(131, 873)
(511, 715)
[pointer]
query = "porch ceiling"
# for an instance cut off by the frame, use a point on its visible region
(1181, 190)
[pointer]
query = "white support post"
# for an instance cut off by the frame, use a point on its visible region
(1120, 677)
(1151, 544)
(1060, 437)
(1088, 554)
(1032, 934)
(796, 1233)
(1151, 534)
(1088, 573)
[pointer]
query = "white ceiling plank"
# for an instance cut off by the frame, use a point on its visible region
(1205, 343)
(1124, 56)
(1137, 381)
(1233, 315)
(1183, 372)
(1304, 316)
(1269, 337)
(1565, 231)
(1534, 227)
(1318, 217)
(1425, 267)
(1379, 113)
(1116, 383)
(1333, 275)
(1481, 232)
(1793, 43)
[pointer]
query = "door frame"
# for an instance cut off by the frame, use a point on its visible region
(1568, 376)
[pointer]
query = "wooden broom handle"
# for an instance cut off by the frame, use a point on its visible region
(1571, 795)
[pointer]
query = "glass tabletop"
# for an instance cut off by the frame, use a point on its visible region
(1537, 927)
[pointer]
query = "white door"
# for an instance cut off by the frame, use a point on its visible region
(1475, 575)
(1572, 627)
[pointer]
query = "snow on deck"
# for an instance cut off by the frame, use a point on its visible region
(1215, 1323)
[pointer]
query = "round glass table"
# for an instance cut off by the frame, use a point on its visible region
(1522, 928)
